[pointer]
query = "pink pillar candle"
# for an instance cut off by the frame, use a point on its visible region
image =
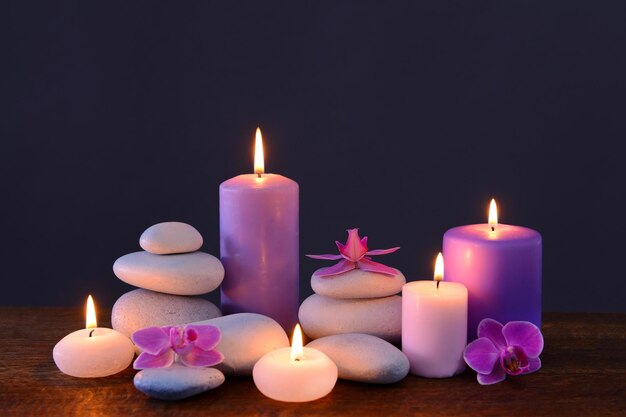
(434, 327)
(259, 238)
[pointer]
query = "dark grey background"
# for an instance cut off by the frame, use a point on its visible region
(401, 118)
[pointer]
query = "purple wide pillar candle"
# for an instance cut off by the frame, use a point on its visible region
(501, 267)
(259, 237)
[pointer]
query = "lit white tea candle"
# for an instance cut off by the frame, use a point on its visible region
(295, 374)
(94, 351)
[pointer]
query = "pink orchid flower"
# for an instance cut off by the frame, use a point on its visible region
(511, 349)
(193, 344)
(354, 254)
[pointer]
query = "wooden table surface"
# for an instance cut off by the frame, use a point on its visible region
(583, 374)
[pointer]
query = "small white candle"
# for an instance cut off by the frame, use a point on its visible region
(434, 325)
(94, 351)
(295, 374)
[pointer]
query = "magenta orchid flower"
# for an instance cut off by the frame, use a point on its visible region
(511, 349)
(354, 254)
(193, 344)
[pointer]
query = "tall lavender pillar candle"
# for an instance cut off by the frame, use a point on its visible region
(259, 244)
(500, 265)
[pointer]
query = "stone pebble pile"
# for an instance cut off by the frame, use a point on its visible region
(356, 301)
(170, 272)
(354, 318)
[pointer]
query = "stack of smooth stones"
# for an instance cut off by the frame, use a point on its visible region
(355, 317)
(170, 272)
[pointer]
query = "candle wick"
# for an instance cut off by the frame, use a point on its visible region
(91, 332)
(438, 285)
(493, 229)
(259, 174)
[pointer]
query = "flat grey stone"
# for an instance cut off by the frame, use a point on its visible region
(184, 274)
(170, 237)
(324, 316)
(177, 381)
(245, 338)
(144, 308)
(364, 358)
(357, 284)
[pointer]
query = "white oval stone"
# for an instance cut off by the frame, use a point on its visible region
(245, 338)
(324, 316)
(364, 358)
(170, 237)
(177, 381)
(184, 274)
(143, 308)
(357, 284)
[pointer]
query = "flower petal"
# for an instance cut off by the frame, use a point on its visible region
(534, 364)
(152, 339)
(367, 264)
(481, 355)
(525, 335)
(205, 336)
(498, 375)
(146, 360)
(492, 329)
(199, 357)
(326, 257)
(355, 248)
(339, 268)
(375, 252)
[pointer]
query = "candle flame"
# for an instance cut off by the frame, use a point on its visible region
(493, 213)
(297, 351)
(91, 322)
(439, 268)
(259, 160)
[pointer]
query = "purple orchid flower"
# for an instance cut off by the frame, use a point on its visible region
(194, 344)
(355, 254)
(500, 350)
